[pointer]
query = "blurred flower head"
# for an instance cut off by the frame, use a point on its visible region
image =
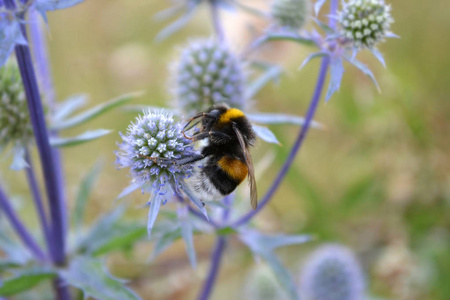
(154, 134)
(365, 22)
(15, 125)
(208, 73)
(332, 273)
(291, 14)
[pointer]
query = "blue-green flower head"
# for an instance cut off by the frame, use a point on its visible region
(155, 134)
(291, 14)
(15, 125)
(332, 273)
(365, 22)
(207, 73)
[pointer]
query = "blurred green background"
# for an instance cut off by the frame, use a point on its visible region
(376, 179)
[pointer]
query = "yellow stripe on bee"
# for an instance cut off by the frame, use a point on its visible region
(232, 113)
(234, 168)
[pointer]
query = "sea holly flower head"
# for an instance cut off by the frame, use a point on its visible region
(155, 134)
(332, 273)
(208, 73)
(291, 14)
(15, 125)
(365, 22)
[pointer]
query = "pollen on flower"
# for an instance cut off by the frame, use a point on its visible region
(207, 73)
(15, 126)
(332, 273)
(365, 22)
(155, 134)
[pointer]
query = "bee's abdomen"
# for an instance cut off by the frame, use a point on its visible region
(225, 174)
(234, 168)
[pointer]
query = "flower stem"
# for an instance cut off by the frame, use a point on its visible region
(216, 259)
(215, 15)
(303, 131)
(21, 230)
(40, 55)
(297, 145)
(32, 182)
(42, 141)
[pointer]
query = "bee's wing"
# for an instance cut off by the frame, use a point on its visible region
(251, 171)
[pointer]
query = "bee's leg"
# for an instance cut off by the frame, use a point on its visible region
(188, 159)
(175, 161)
(219, 137)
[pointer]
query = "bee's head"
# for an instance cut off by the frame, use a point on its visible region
(223, 117)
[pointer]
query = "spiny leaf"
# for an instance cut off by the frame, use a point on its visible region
(363, 68)
(69, 106)
(155, 204)
(84, 192)
(25, 280)
(272, 73)
(175, 26)
(80, 139)
(92, 277)
(276, 118)
(311, 57)
(318, 5)
(187, 234)
(94, 112)
(336, 73)
(265, 134)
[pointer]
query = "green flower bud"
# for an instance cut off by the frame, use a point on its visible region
(208, 73)
(365, 22)
(15, 125)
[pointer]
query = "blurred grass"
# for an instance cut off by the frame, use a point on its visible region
(377, 178)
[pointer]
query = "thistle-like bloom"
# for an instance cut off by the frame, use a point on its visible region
(291, 14)
(365, 22)
(208, 73)
(15, 126)
(155, 134)
(332, 273)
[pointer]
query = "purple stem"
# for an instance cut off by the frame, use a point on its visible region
(213, 271)
(215, 14)
(303, 131)
(21, 230)
(40, 55)
(32, 182)
(298, 143)
(45, 151)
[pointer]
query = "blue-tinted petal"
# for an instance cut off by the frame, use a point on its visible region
(19, 161)
(318, 5)
(265, 134)
(10, 35)
(155, 204)
(379, 56)
(363, 68)
(336, 73)
(312, 56)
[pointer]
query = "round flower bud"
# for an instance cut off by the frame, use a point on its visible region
(15, 123)
(332, 273)
(290, 13)
(155, 134)
(365, 22)
(208, 73)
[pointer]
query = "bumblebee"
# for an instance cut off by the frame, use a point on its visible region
(226, 158)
